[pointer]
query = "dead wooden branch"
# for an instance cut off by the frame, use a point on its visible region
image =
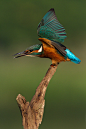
(32, 113)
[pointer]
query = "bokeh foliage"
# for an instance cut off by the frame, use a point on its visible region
(65, 106)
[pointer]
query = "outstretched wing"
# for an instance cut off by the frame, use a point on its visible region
(50, 28)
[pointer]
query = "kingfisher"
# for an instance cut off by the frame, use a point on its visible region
(51, 34)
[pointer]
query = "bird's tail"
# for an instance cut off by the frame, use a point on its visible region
(72, 57)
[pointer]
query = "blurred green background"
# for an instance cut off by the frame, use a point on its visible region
(65, 105)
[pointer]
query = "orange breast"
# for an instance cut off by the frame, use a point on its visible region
(51, 52)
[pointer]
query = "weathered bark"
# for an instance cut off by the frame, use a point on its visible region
(32, 113)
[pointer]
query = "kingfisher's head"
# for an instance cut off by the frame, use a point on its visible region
(34, 50)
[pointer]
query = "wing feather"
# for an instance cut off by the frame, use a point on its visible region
(59, 47)
(50, 28)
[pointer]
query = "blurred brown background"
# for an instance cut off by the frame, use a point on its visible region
(65, 105)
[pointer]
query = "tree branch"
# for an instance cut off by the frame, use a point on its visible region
(32, 113)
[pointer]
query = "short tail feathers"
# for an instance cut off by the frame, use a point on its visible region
(72, 57)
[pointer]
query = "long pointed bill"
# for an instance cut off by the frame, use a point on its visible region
(19, 56)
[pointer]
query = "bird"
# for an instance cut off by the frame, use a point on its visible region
(51, 34)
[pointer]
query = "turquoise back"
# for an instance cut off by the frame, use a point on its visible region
(72, 57)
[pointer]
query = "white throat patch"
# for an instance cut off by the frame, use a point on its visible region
(40, 49)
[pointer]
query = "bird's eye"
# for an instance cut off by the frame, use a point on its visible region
(30, 50)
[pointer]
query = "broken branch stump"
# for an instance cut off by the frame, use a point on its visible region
(32, 113)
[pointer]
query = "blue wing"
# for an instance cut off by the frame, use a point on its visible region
(50, 28)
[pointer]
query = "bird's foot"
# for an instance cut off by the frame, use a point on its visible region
(53, 65)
